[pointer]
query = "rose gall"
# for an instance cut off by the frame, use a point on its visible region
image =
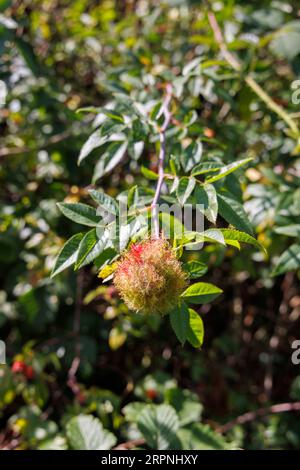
(149, 277)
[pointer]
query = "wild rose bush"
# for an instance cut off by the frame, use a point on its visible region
(178, 104)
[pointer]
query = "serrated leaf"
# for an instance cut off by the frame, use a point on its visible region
(67, 255)
(86, 245)
(288, 261)
(234, 213)
(201, 293)
(237, 235)
(206, 167)
(214, 234)
(158, 424)
(80, 213)
(103, 242)
(207, 196)
(184, 189)
(111, 157)
(195, 333)
(94, 141)
(226, 170)
(104, 200)
(179, 318)
(85, 432)
(191, 155)
(195, 268)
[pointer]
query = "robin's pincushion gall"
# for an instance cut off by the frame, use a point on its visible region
(149, 277)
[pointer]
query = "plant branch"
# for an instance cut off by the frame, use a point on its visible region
(258, 90)
(252, 415)
(54, 139)
(161, 157)
(72, 380)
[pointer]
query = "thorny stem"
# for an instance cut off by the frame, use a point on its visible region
(258, 90)
(161, 157)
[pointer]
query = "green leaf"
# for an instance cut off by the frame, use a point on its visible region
(201, 293)
(86, 244)
(198, 436)
(191, 66)
(80, 213)
(186, 404)
(112, 114)
(195, 268)
(94, 141)
(133, 196)
(206, 167)
(286, 42)
(292, 230)
(104, 200)
(112, 156)
(89, 109)
(158, 425)
(288, 261)
(97, 140)
(85, 432)
(105, 257)
(116, 338)
(179, 318)
(57, 442)
(214, 235)
(149, 174)
(191, 155)
(195, 334)
(132, 410)
(234, 213)
(67, 255)
(206, 196)
(236, 235)
(226, 170)
(184, 189)
(174, 185)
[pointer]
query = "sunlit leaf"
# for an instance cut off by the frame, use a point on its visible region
(67, 255)
(201, 293)
(85, 432)
(195, 333)
(226, 170)
(80, 213)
